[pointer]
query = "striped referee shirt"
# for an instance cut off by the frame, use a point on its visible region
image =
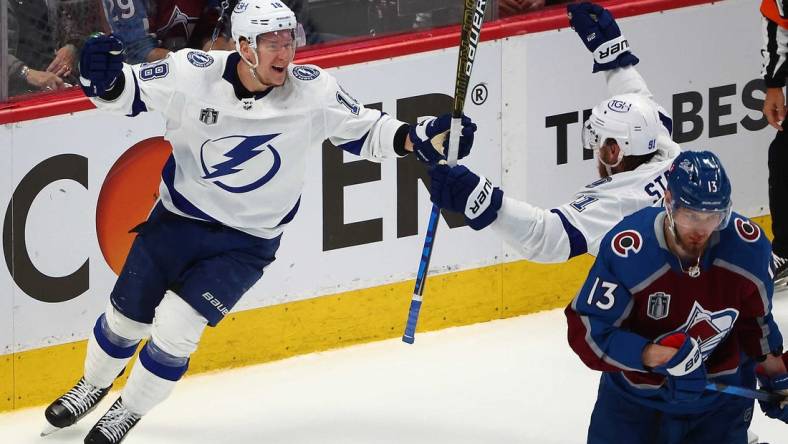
(775, 38)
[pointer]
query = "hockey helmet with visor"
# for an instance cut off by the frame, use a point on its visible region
(700, 191)
(253, 18)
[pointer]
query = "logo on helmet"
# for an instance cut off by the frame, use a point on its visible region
(241, 7)
(686, 165)
(619, 106)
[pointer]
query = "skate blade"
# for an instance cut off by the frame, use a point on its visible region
(49, 429)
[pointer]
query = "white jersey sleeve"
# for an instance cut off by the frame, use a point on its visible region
(146, 87)
(626, 80)
(365, 132)
(577, 227)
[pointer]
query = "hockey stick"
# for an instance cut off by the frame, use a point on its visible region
(760, 395)
(472, 18)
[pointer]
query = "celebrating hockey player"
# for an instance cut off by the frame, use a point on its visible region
(241, 125)
(677, 296)
(630, 135)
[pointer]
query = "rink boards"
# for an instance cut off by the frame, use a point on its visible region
(75, 184)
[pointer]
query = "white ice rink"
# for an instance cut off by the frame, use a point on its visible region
(509, 381)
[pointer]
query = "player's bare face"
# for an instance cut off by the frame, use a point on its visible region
(275, 51)
(693, 229)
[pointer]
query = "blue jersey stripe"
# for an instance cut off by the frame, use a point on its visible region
(354, 146)
(137, 106)
(181, 203)
(577, 242)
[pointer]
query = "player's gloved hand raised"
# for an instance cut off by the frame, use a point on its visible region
(686, 374)
(100, 64)
(776, 383)
(430, 138)
(459, 189)
(599, 32)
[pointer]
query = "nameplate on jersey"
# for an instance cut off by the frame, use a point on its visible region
(209, 116)
(658, 306)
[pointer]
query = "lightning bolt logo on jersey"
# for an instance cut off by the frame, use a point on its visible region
(239, 158)
(239, 173)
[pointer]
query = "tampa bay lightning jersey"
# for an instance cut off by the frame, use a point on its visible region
(637, 293)
(241, 161)
(577, 227)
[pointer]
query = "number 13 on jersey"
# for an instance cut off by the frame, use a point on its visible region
(601, 294)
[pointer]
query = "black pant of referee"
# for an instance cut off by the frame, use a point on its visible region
(778, 199)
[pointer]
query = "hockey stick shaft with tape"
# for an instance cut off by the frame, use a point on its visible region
(760, 395)
(473, 16)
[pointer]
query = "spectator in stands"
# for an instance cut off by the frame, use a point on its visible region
(153, 28)
(31, 47)
(44, 43)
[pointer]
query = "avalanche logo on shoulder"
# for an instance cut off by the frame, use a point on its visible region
(301, 72)
(618, 106)
(625, 242)
(199, 59)
(747, 230)
(239, 164)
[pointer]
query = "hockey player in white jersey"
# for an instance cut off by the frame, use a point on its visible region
(630, 135)
(241, 125)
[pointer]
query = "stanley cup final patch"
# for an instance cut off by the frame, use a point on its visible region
(658, 305)
(209, 116)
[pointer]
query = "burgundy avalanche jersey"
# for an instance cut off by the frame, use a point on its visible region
(636, 293)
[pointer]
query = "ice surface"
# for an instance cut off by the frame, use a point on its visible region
(508, 381)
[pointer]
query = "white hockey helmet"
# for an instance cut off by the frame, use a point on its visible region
(251, 18)
(632, 120)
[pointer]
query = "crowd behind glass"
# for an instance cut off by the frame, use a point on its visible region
(41, 39)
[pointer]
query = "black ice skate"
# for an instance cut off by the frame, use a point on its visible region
(780, 271)
(73, 406)
(113, 426)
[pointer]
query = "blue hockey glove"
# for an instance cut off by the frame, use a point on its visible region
(686, 374)
(100, 64)
(779, 384)
(459, 189)
(599, 32)
(431, 138)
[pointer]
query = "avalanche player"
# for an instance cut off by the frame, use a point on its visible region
(241, 125)
(630, 135)
(679, 295)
